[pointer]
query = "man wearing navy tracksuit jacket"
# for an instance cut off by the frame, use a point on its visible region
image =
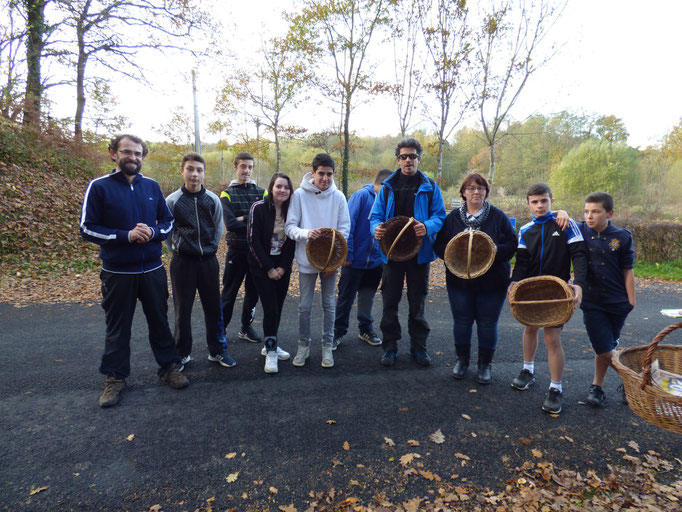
(125, 213)
(361, 273)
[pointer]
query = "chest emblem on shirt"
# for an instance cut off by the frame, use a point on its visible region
(614, 244)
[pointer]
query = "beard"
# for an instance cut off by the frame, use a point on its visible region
(131, 168)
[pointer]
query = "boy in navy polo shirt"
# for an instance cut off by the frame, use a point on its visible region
(610, 292)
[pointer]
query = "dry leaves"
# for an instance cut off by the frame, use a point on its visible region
(331, 422)
(232, 477)
(412, 442)
(273, 490)
(346, 446)
(130, 437)
(437, 437)
(536, 453)
(389, 441)
(408, 457)
(37, 490)
(466, 416)
(231, 455)
(461, 456)
(288, 508)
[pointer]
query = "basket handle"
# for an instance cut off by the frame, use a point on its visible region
(388, 254)
(331, 251)
(471, 241)
(646, 365)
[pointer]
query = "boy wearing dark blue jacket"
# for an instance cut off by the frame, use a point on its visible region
(361, 274)
(125, 213)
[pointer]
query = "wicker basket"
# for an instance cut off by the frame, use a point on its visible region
(647, 400)
(470, 254)
(543, 301)
(399, 242)
(328, 251)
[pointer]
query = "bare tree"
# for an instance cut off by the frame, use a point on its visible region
(342, 32)
(444, 24)
(509, 44)
(112, 32)
(407, 55)
(268, 93)
(12, 35)
(37, 31)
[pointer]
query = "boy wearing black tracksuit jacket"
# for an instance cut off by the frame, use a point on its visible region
(194, 266)
(544, 249)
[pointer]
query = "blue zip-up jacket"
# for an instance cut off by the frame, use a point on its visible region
(431, 218)
(363, 248)
(111, 208)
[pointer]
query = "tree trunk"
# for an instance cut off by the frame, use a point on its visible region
(278, 149)
(80, 87)
(492, 164)
(346, 147)
(36, 29)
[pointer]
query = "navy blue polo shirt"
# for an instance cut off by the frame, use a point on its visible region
(608, 254)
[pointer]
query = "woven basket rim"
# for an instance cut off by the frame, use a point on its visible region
(559, 320)
(330, 266)
(450, 249)
(385, 244)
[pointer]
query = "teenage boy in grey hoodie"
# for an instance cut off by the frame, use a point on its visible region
(317, 203)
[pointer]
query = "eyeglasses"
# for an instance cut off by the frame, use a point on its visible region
(475, 189)
(411, 156)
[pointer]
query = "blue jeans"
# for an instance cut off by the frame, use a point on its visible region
(484, 308)
(364, 284)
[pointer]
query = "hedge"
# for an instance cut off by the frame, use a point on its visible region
(655, 242)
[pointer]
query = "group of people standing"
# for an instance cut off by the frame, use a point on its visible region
(126, 214)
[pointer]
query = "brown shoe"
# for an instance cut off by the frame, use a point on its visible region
(174, 378)
(112, 391)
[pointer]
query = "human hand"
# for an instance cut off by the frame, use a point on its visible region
(313, 234)
(281, 272)
(562, 219)
(419, 228)
(327, 275)
(141, 233)
(379, 231)
(273, 274)
(577, 295)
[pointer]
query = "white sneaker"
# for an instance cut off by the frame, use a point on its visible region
(271, 362)
(282, 354)
(185, 359)
(327, 355)
(302, 353)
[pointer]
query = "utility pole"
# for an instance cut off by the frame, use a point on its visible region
(197, 135)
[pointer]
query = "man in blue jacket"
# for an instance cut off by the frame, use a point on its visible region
(125, 213)
(411, 193)
(361, 273)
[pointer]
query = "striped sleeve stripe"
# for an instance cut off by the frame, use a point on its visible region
(574, 233)
(87, 231)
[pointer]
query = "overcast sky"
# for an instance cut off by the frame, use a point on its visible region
(617, 59)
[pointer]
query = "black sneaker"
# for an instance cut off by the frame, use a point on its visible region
(553, 401)
(523, 381)
(421, 356)
(389, 357)
(249, 334)
(595, 396)
(336, 342)
(371, 338)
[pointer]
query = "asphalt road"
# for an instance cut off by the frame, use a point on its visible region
(287, 432)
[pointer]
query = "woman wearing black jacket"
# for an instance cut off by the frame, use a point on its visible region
(479, 299)
(271, 254)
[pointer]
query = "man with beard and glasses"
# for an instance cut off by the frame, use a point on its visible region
(125, 213)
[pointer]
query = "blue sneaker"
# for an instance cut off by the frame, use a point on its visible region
(389, 357)
(421, 356)
(223, 359)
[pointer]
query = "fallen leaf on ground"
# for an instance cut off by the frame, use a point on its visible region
(245, 496)
(634, 446)
(473, 434)
(466, 416)
(568, 439)
(354, 482)
(437, 437)
(473, 391)
(389, 441)
(37, 490)
(273, 490)
(412, 442)
(524, 441)
(330, 422)
(412, 505)
(288, 508)
(155, 508)
(348, 502)
(130, 437)
(337, 462)
(232, 477)
(536, 453)
(346, 446)
(408, 457)
(403, 409)
(231, 455)
(461, 456)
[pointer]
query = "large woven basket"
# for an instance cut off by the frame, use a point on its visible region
(470, 254)
(327, 252)
(542, 301)
(399, 242)
(647, 400)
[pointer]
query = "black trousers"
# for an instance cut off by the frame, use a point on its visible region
(272, 294)
(119, 298)
(237, 272)
(189, 274)
(417, 277)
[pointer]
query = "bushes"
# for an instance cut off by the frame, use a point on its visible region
(655, 242)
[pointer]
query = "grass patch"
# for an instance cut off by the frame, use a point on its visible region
(667, 271)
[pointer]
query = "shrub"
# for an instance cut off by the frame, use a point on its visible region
(655, 242)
